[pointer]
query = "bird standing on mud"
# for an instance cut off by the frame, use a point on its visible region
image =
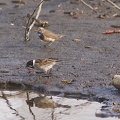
(48, 36)
(41, 64)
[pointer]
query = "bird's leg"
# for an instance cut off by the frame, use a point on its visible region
(50, 72)
(46, 74)
(50, 43)
(45, 46)
(39, 72)
(31, 70)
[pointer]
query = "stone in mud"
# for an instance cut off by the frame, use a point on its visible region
(101, 114)
(116, 81)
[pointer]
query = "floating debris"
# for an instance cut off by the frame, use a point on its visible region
(77, 40)
(111, 31)
(67, 81)
(88, 46)
(12, 24)
(72, 13)
(116, 15)
(102, 16)
(81, 11)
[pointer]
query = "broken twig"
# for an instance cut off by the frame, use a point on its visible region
(88, 6)
(30, 25)
(111, 31)
(113, 4)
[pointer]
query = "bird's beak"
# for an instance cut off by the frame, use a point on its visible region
(30, 70)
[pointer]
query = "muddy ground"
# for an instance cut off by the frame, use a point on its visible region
(90, 62)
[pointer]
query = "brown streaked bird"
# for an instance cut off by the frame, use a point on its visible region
(48, 36)
(41, 64)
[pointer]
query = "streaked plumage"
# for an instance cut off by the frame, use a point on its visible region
(41, 64)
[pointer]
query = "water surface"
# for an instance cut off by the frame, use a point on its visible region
(20, 105)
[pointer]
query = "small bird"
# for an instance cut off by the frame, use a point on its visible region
(48, 36)
(41, 64)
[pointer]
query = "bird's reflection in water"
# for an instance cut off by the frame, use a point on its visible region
(41, 102)
(31, 98)
(44, 102)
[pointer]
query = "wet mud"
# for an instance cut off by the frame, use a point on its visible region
(90, 58)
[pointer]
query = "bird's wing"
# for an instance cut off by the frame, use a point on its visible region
(48, 33)
(45, 61)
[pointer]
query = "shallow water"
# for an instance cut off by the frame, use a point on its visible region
(20, 105)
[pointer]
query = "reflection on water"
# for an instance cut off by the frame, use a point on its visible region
(20, 105)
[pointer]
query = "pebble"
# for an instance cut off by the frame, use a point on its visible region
(116, 81)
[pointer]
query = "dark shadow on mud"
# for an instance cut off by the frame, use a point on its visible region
(12, 86)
